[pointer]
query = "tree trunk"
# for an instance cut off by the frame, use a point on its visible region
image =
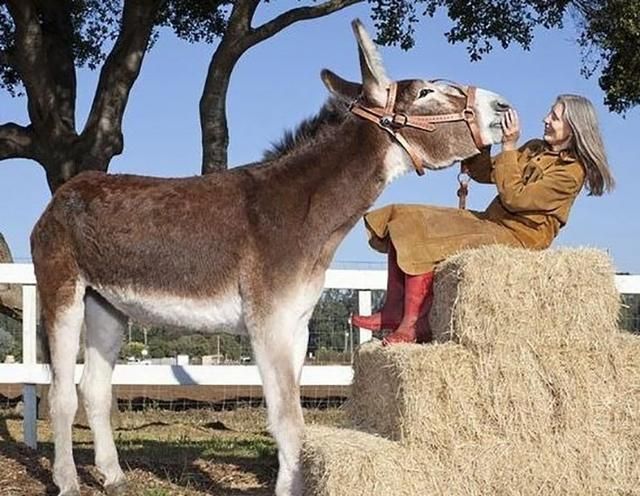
(238, 38)
(44, 59)
(213, 109)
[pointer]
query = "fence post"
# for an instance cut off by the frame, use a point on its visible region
(29, 398)
(364, 308)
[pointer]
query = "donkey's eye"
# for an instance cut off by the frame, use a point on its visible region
(424, 92)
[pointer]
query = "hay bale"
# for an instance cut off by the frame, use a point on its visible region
(501, 297)
(340, 462)
(440, 394)
(416, 394)
(627, 408)
(530, 389)
(529, 395)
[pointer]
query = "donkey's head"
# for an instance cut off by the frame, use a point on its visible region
(436, 122)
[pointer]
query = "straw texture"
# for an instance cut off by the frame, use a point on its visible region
(530, 388)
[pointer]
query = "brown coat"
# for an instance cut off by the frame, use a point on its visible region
(536, 189)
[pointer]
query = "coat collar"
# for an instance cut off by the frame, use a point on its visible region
(566, 156)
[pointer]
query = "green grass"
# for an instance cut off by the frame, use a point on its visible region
(163, 453)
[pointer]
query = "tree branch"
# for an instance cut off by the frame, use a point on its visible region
(103, 131)
(294, 15)
(238, 38)
(30, 61)
(16, 141)
(5, 58)
(240, 19)
(57, 37)
(213, 110)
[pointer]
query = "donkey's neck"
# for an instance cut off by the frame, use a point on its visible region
(325, 187)
(339, 176)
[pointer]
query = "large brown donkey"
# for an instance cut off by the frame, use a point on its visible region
(246, 248)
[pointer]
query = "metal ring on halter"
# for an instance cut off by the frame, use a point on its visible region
(463, 178)
(400, 123)
(469, 114)
(386, 121)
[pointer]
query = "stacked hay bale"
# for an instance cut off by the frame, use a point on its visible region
(529, 388)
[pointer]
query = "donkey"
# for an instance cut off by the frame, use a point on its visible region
(246, 248)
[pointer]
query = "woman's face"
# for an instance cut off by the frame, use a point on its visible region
(557, 132)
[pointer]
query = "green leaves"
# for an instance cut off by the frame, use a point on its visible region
(608, 31)
(611, 34)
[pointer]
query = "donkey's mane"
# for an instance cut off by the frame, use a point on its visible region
(333, 112)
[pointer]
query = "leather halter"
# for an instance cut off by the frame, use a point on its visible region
(392, 121)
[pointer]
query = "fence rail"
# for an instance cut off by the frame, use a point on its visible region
(29, 373)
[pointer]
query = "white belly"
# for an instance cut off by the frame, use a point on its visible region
(205, 315)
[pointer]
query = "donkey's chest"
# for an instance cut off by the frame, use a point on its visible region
(199, 314)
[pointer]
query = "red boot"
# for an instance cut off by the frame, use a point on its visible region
(418, 296)
(390, 315)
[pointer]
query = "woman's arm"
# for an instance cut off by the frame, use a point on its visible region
(546, 194)
(479, 166)
(522, 191)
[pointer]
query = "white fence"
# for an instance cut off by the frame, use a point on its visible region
(30, 373)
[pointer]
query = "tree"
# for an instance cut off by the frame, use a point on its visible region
(7, 344)
(134, 349)
(10, 294)
(42, 43)
(608, 33)
(328, 326)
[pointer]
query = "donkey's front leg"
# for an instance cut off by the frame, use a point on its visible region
(279, 350)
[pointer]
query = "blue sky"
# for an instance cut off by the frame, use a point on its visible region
(277, 84)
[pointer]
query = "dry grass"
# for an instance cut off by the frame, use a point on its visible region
(530, 389)
(500, 297)
(341, 462)
(191, 453)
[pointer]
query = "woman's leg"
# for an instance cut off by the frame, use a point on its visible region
(418, 297)
(390, 315)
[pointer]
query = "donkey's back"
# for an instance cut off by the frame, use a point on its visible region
(248, 247)
(148, 246)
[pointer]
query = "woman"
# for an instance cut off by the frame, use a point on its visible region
(537, 185)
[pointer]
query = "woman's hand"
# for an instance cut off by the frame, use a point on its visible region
(510, 130)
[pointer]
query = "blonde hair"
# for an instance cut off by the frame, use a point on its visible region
(587, 142)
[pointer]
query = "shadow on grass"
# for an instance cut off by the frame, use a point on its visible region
(189, 465)
(31, 460)
(185, 463)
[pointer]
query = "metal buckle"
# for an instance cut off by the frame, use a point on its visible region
(397, 123)
(469, 114)
(463, 178)
(386, 121)
(394, 120)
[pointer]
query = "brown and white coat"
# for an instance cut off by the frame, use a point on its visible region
(246, 249)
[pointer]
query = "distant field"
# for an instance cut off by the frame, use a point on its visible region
(164, 453)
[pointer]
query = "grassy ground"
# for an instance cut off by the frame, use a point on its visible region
(164, 453)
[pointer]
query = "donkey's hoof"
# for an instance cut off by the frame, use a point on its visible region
(117, 489)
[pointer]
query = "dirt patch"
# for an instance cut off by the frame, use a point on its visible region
(163, 453)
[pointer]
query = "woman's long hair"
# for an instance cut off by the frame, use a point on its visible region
(587, 142)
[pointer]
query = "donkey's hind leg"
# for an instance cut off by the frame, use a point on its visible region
(63, 313)
(279, 348)
(104, 330)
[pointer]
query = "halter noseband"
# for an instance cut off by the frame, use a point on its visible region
(392, 121)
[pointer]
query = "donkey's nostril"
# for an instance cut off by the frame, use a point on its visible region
(501, 105)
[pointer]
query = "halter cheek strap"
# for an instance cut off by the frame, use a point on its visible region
(392, 121)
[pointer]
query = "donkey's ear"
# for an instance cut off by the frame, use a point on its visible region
(343, 89)
(374, 77)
